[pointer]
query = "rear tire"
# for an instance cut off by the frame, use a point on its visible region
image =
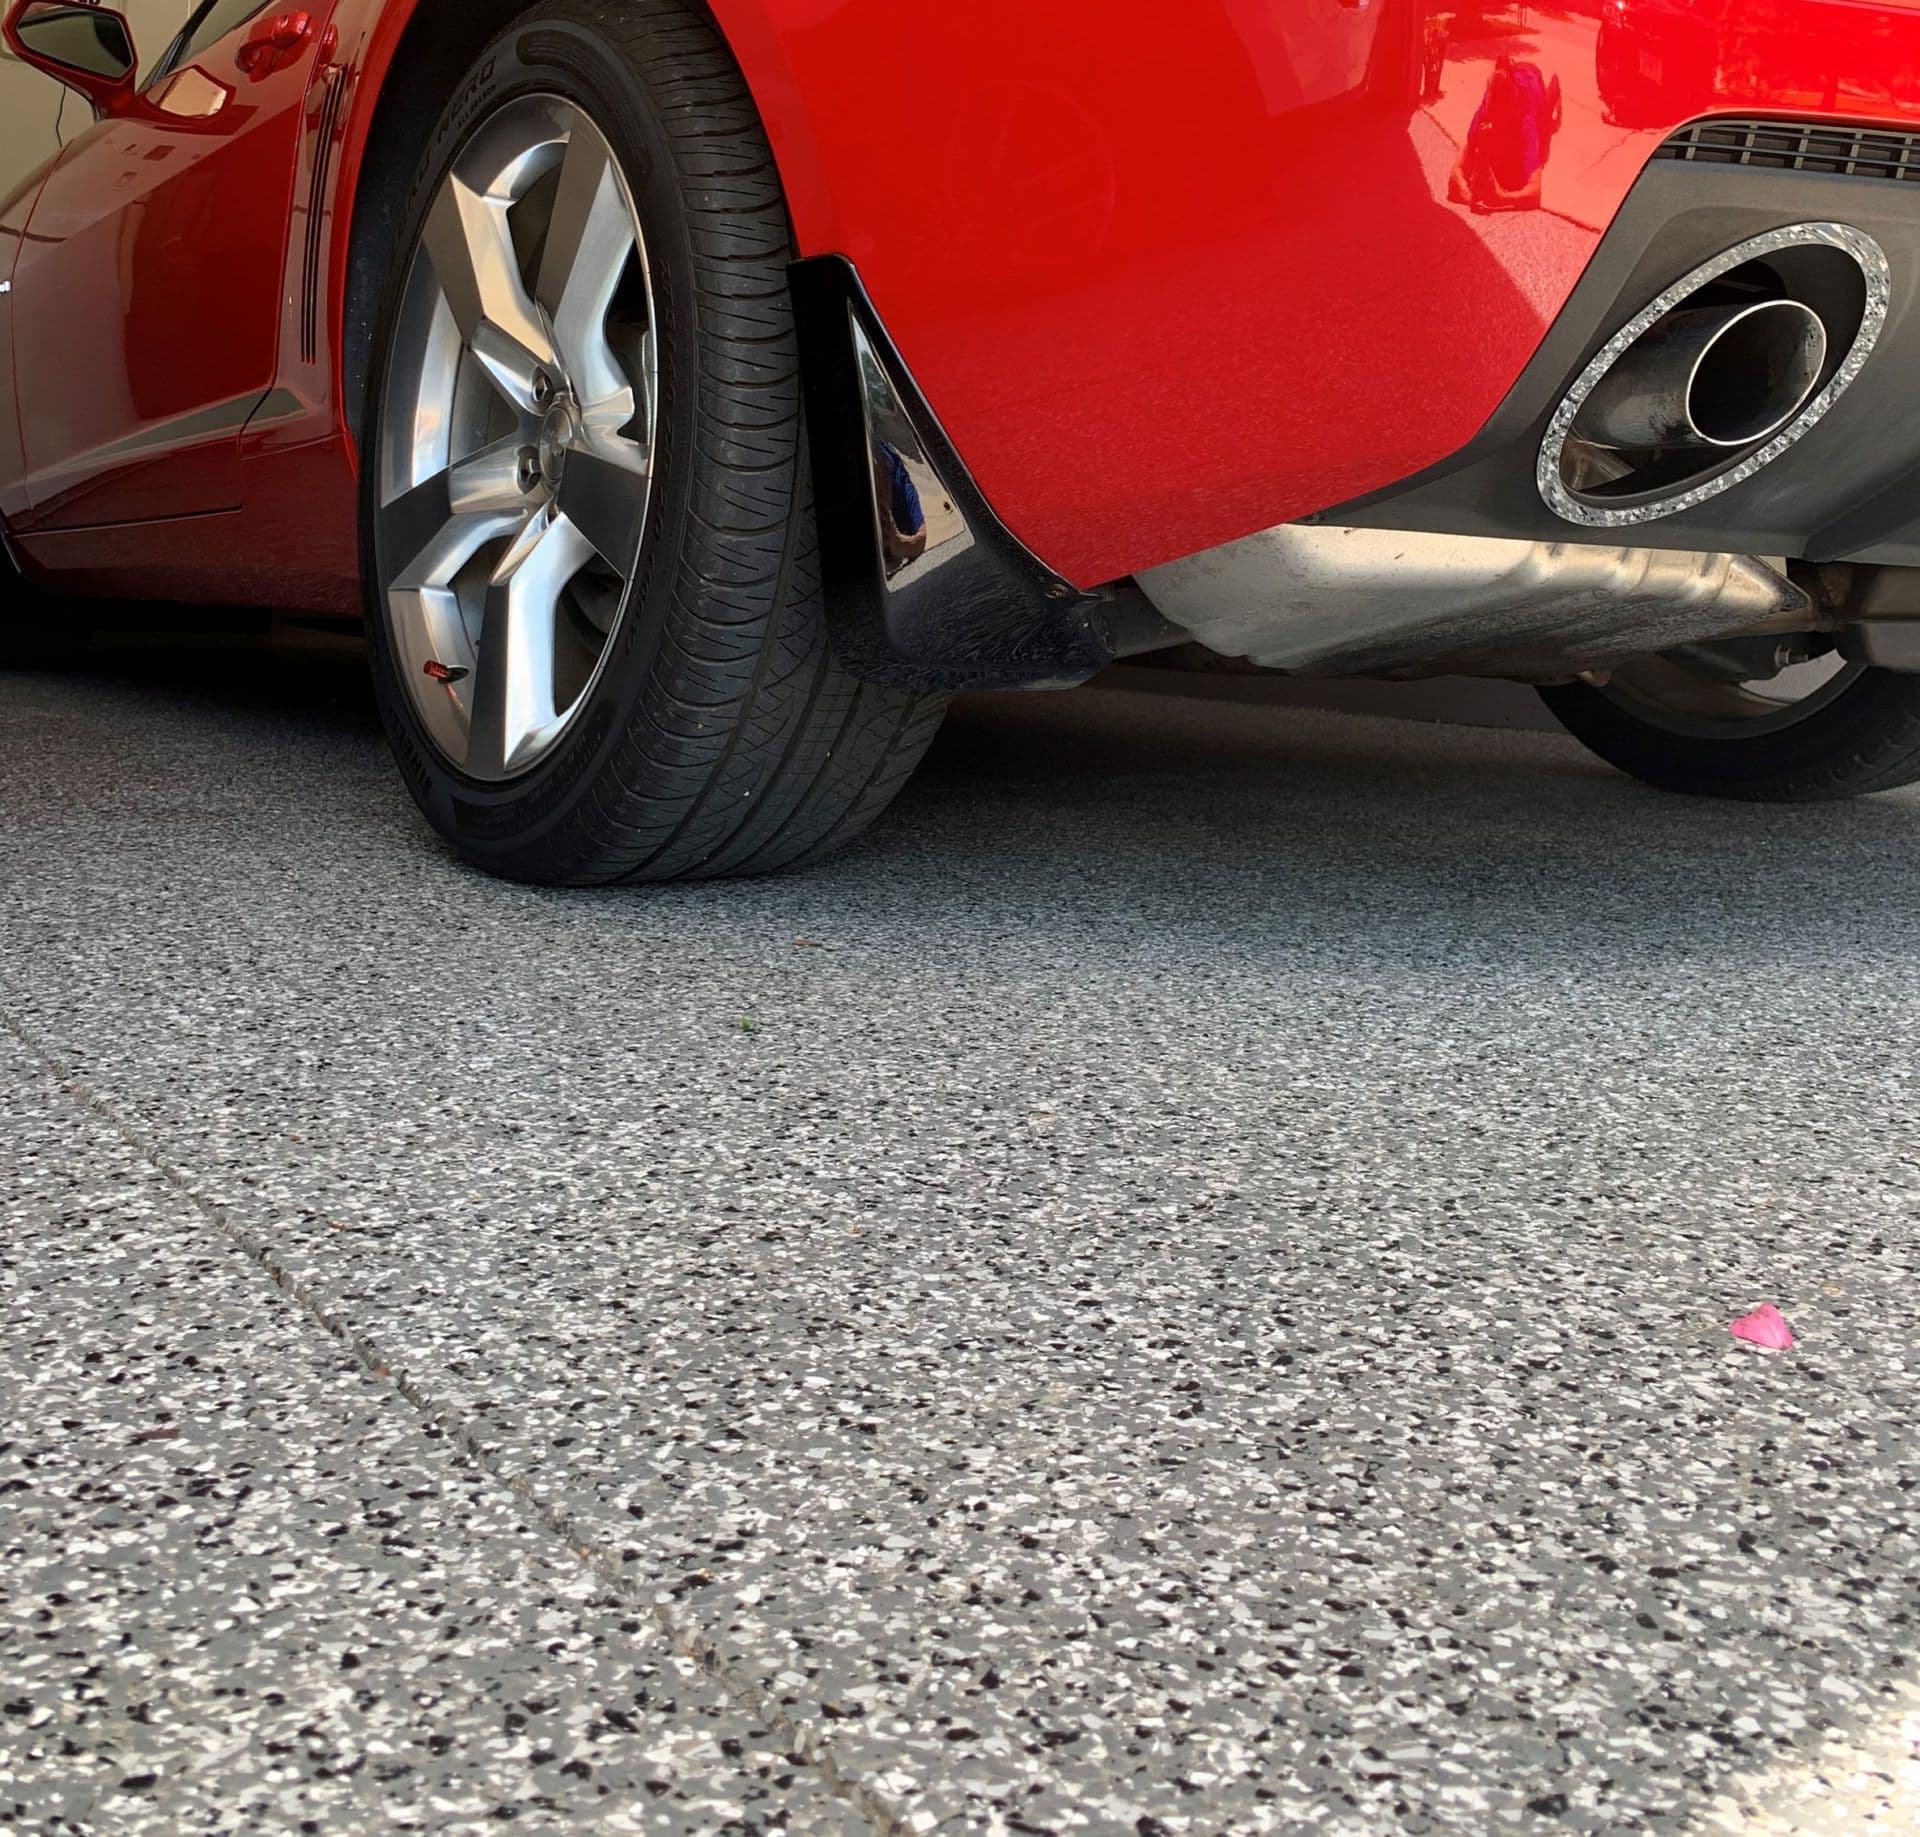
(716, 734)
(1864, 737)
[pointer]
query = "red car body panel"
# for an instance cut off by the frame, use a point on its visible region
(1172, 274)
(157, 350)
(1167, 274)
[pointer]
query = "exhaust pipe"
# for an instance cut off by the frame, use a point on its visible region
(1709, 376)
(1329, 601)
(1689, 399)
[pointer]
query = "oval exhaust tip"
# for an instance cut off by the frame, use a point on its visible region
(1709, 376)
(1756, 373)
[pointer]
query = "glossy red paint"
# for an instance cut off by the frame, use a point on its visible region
(1167, 274)
(15, 212)
(1172, 274)
(147, 298)
(274, 42)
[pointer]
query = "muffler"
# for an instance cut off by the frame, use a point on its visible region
(1709, 376)
(1334, 601)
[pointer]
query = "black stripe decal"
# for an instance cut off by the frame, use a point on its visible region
(316, 215)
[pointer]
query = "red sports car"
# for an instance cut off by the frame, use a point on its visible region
(691, 394)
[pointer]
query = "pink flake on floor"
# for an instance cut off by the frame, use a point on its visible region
(1765, 1326)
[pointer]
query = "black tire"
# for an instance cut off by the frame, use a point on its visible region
(723, 737)
(1867, 738)
(39, 631)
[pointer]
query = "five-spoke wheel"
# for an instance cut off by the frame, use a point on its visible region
(516, 445)
(593, 590)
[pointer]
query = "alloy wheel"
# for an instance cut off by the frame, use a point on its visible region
(517, 438)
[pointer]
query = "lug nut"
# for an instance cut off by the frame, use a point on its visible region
(530, 473)
(542, 388)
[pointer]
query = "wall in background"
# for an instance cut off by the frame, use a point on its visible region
(36, 113)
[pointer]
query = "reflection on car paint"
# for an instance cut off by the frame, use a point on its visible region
(1503, 164)
(1166, 274)
(919, 527)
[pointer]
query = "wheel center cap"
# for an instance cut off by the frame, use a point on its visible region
(558, 432)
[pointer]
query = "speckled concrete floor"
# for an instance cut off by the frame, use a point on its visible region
(1193, 1301)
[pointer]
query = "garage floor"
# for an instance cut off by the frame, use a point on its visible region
(1183, 1288)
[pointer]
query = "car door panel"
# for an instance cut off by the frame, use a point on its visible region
(15, 212)
(147, 297)
(32, 105)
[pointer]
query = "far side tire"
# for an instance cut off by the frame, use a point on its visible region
(39, 631)
(1861, 736)
(596, 624)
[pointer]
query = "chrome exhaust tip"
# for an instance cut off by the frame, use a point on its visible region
(1717, 378)
(1710, 377)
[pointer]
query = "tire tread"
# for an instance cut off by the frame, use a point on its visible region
(748, 749)
(1866, 740)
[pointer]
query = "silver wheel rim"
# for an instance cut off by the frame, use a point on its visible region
(517, 438)
(1679, 701)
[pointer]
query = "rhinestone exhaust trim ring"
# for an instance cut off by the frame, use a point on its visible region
(1872, 261)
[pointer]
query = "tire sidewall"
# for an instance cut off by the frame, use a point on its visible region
(1801, 760)
(514, 828)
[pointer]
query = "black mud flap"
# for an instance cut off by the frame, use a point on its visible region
(925, 587)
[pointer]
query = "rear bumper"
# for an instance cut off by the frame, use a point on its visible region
(1848, 490)
(1169, 275)
(1489, 563)
(1473, 564)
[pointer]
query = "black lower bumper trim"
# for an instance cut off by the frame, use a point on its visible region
(1848, 491)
